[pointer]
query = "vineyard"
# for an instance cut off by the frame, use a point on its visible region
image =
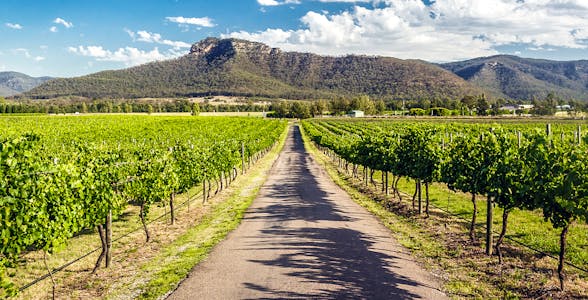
(531, 177)
(61, 176)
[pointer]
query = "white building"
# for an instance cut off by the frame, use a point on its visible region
(356, 114)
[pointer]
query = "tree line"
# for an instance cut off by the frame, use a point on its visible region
(82, 105)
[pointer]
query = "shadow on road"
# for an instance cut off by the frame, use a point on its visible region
(329, 253)
(299, 192)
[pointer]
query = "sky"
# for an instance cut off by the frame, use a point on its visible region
(66, 38)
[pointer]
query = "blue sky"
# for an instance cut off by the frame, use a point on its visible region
(71, 38)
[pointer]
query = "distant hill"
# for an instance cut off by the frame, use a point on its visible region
(513, 77)
(12, 83)
(241, 68)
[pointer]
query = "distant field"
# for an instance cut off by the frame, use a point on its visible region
(181, 114)
(233, 114)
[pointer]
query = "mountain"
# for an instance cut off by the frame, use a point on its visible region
(12, 83)
(513, 77)
(242, 68)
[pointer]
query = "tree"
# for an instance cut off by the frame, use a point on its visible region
(497, 105)
(301, 110)
(128, 108)
(468, 102)
(282, 109)
(340, 105)
(195, 109)
(380, 106)
(482, 105)
(319, 107)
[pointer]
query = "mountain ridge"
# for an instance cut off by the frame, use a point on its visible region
(513, 77)
(243, 68)
(237, 67)
(13, 83)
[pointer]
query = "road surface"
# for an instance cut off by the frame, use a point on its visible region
(304, 238)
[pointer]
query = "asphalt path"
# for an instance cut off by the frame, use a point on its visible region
(305, 238)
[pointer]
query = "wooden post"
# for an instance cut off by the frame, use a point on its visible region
(203, 190)
(548, 129)
(519, 138)
(171, 207)
(420, 197)
(387, 185)
(242, 158)
(579, 134)
(489, 215)
(108, 238)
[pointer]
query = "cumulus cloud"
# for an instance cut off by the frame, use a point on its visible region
(442, 31)
(150, 37)
(276, 3)
(53, 29)
(348, 1)
(26, 53)
(22, 51)
(129, 56)
(14, 26)
(203, 22)
(63, 22)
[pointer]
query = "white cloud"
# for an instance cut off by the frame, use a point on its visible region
(442, 31)
(347, 1)
(26, 53)
(129, 56)
(150, 37)
(22, 51)
(203, 22)
(53, 29)
(14, 26)
(284, 2)
(63, 22)
(276, 3)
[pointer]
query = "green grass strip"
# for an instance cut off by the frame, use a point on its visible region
(421, 242)
(175, 261)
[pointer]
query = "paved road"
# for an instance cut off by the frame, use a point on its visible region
(303, 237)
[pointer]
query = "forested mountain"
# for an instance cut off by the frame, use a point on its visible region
(12, 83)
(522, 78)
(242, 68)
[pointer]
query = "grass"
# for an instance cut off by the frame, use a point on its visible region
(140, 262)
(442, 245)
(524, 226)
(128, 225)
(166, 270)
